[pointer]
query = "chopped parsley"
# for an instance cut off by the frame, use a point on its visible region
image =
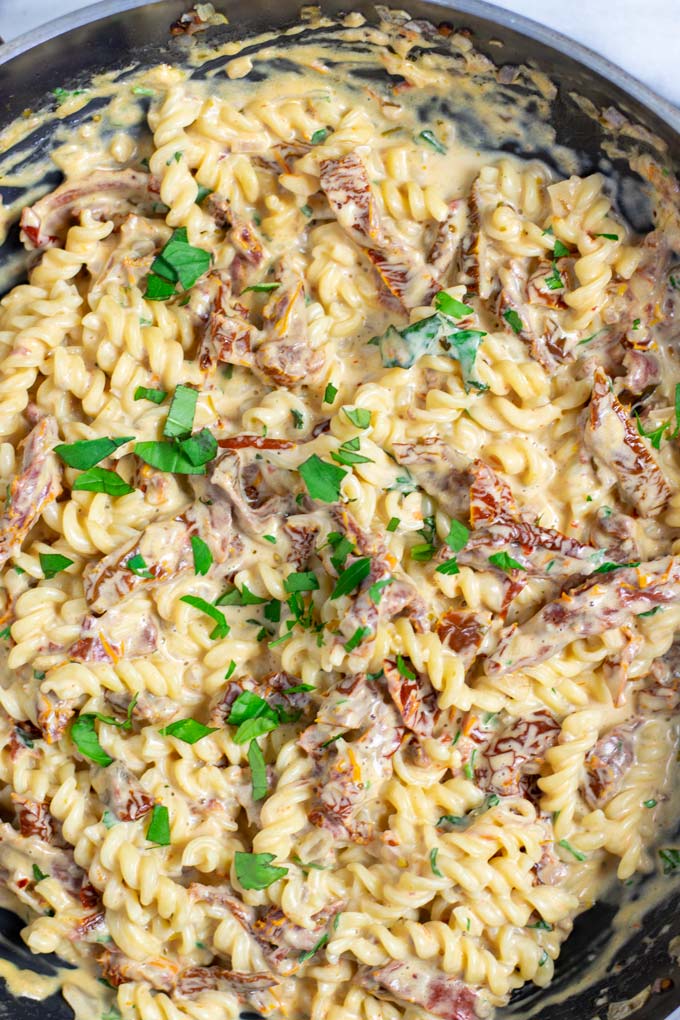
(178, 262)
(457, 536)
(448, 567)
(359, 416)
(221, 628)
(431, 139)
(352, 577)
(560, 250)
(357, 637)
(301, 581)
(671, 860)
(323, 480)
(504, 561)
(554, 281)
(137, 565)
(434, 852)
(566, 845)
(255, 871)
(443, 302)
(298, 418)
(513, 320)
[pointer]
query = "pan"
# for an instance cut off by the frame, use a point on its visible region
(617, 961)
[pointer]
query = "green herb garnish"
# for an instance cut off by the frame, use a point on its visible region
(255, 871)
(159, 826)
(53, 563)
(188, 730)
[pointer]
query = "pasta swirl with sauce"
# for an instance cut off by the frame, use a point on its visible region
(340, 586)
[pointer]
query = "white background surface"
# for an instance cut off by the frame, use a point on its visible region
(643, 36)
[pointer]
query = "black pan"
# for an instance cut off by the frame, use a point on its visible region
(114, 33)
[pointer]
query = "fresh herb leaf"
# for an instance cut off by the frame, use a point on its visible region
(448, 567)
(202, 194)
(541, 925)
(443, 302)
(323, 941)
(255, 871)
(159, 826)
(610, 237)
(403, 347)
(566, 845)
(330, 393)
(636, 323)
(298, 418)
(180, 418)
(457, 536)
(249, 598)
(359, 416)
(651, 803)
(230, 670)
(202, 555)
(654, 435)
(423, 552)
(323, 480)
(179, 262)
(261, 288)
(198, 449)
(433, 862)
(319, 136)
(61, 95)
(155, 396)
(137, 565)
(671, 860)
(188, 730)
(99, 479)
(301, 581)
(341, 550)
(53, 563)
(403, 669)
(560, 250)
(166, 457)
(306, 210)
(258, 771)
(347, 455)
(504, 561)
(375, 592)
(393, 524)
(38, 875)
(84, 736)
(431, 139)
(158, 289)
(87, 452)
(357, 637)
(221, 628)
(554, 281)
(513, 320)
(606, 568)
(352, 577)
(652, 612)
(109, 819)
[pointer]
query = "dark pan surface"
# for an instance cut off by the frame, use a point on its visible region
(113, 33)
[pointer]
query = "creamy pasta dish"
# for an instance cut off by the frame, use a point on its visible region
(339, 579)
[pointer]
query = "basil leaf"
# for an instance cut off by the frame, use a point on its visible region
(448, 567)
(375, 592)
(155, 396)
(159, 826)
(303, 581)
(258, 771)
(322, 479)
(99, 479)
(566, 845)
(347, 455)
(443, 302)
(606, 568)
(53, 563)
(180, 418)
(330, 393)
(84, 736)
(554, 281)
(158, 289)
(137, 565)
(249, 598)
(199, 448)
(504, 561)
(323, 941)
(261, 288)
(431, 139)
(403, 347)
(221, 628)
(180, 261)
(457, 536)
(403, 669)
(247, 705)
(352, 577)
(202, 555)
(88, 452)
(359, 416)
(433, 862)
(255, 871)
(167, 457)
(513, 320)
(342, 547)
(357, 637)
(253, 728)
(188, 730)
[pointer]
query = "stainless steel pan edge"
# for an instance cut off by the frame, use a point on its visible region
(112, 33)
